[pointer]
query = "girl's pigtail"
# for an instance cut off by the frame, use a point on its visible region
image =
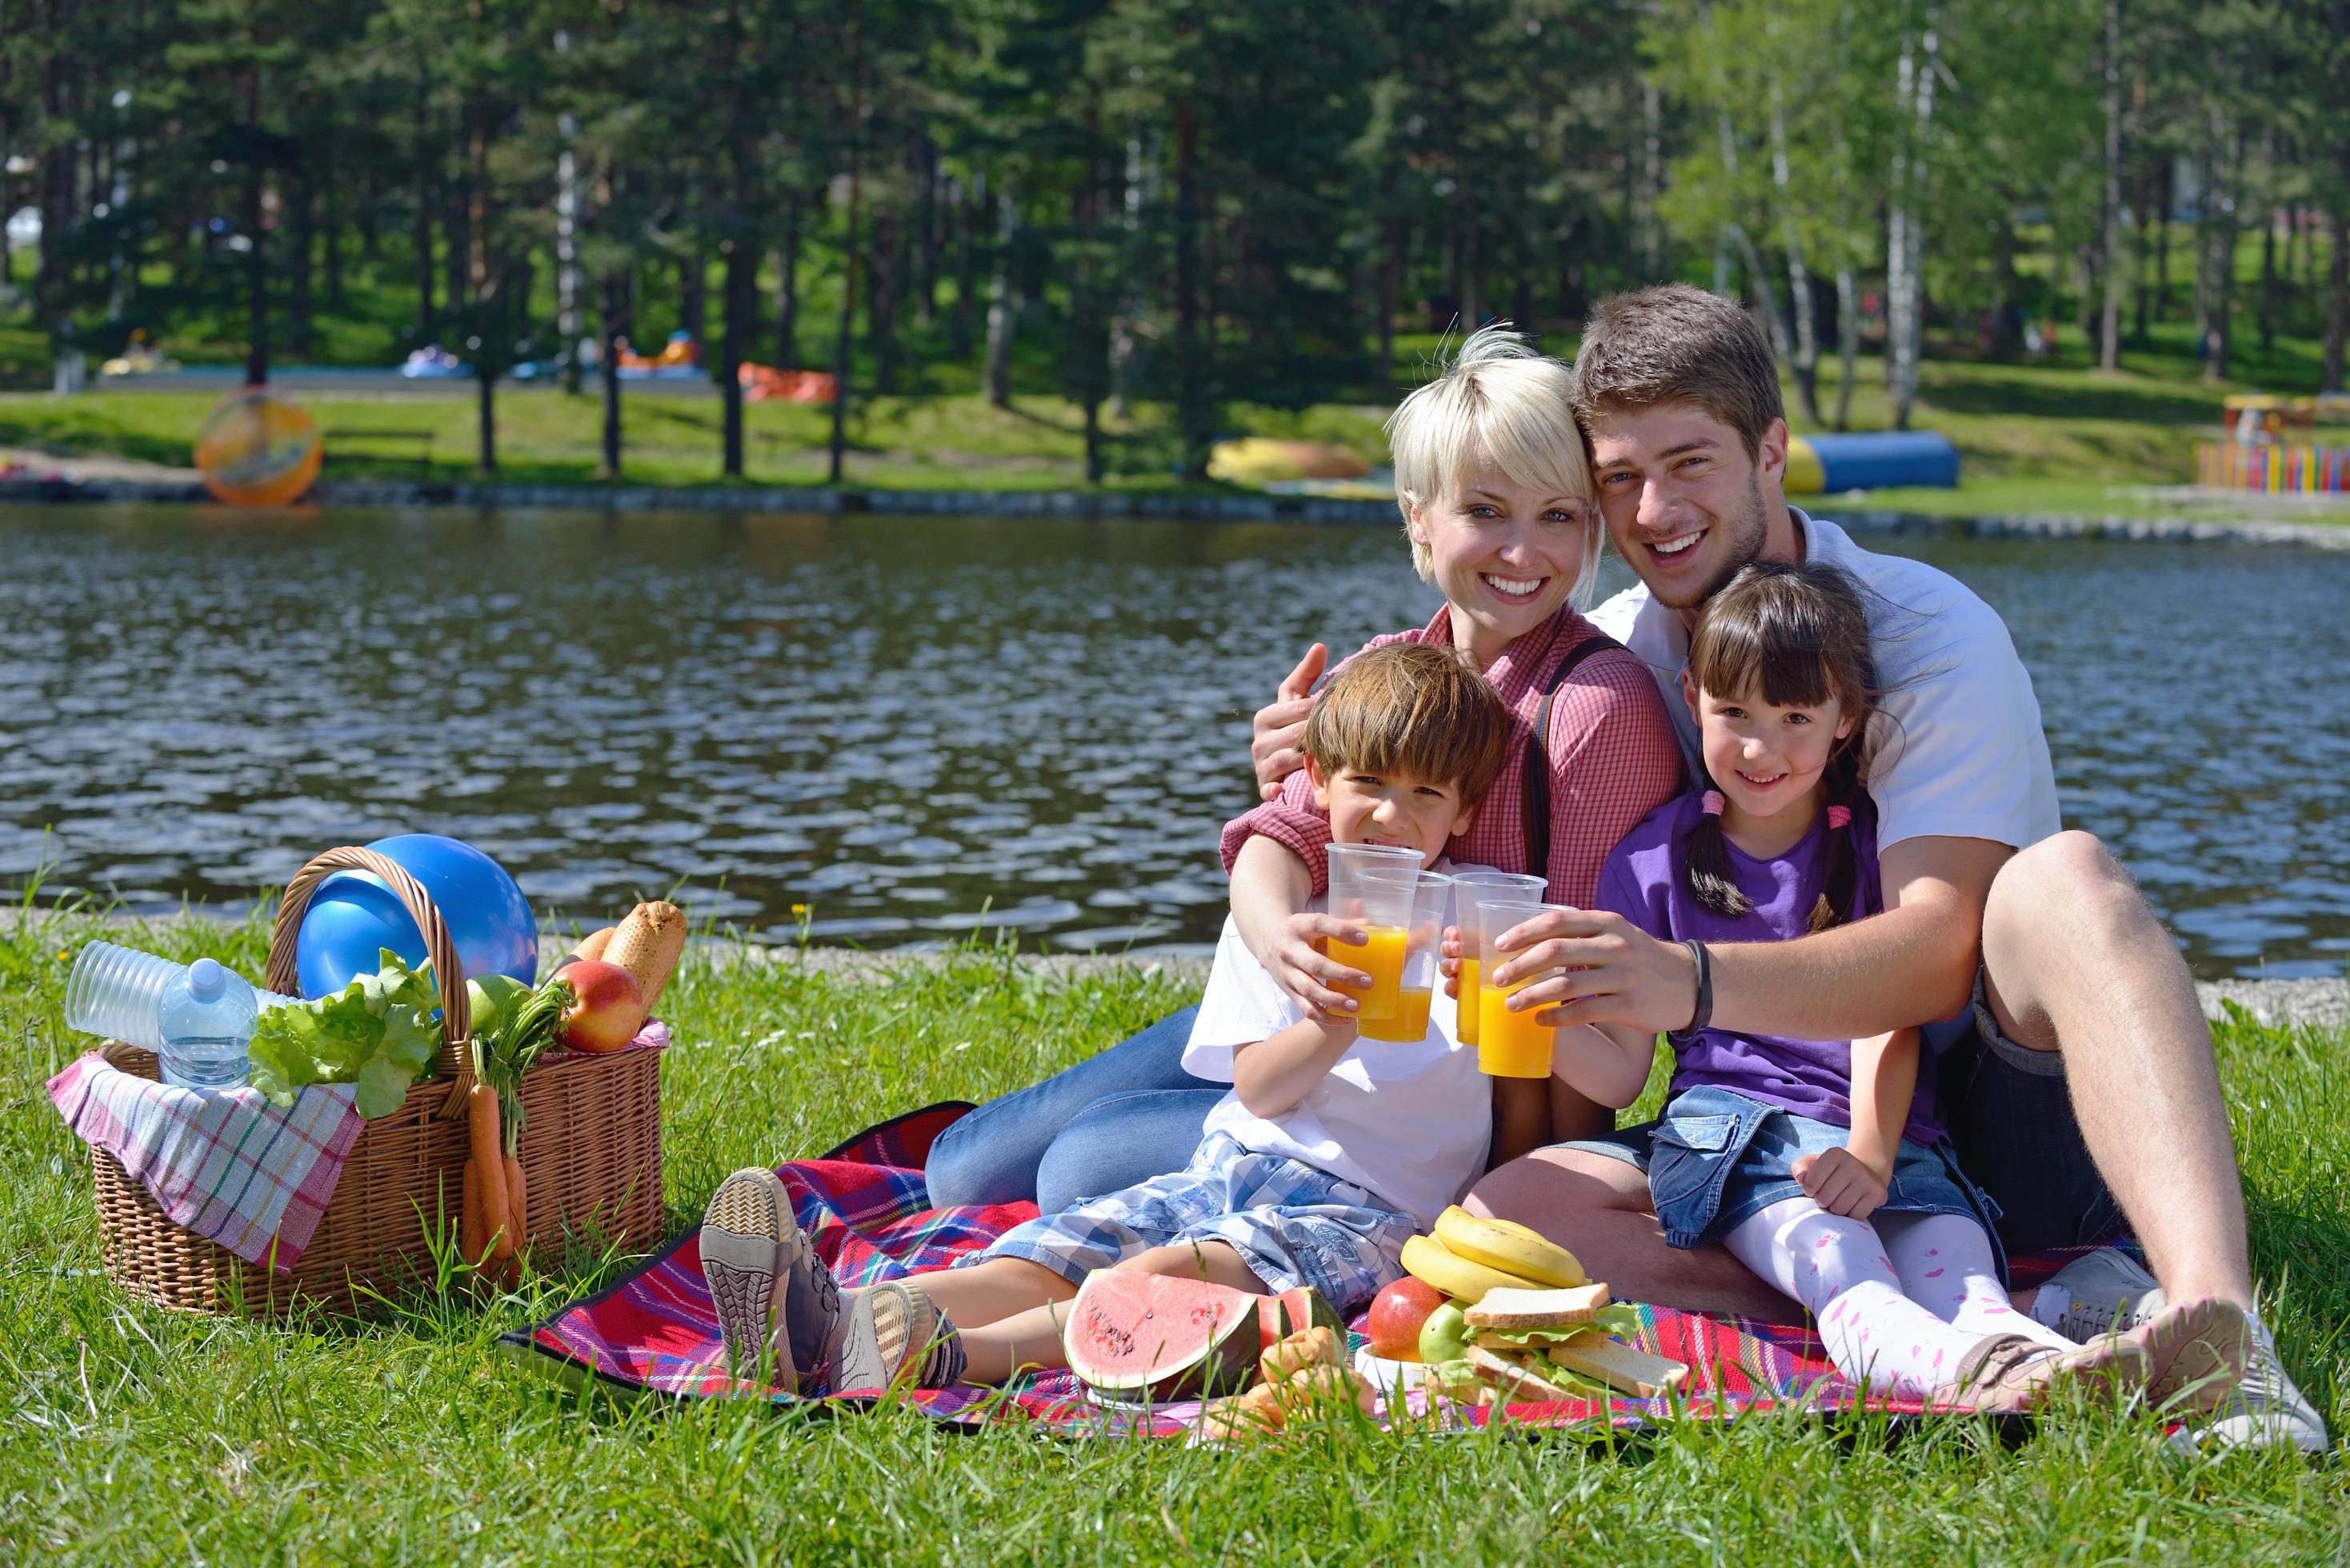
(1841, 878)
(1705, 865)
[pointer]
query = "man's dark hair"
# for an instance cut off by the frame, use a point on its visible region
(1674, 344)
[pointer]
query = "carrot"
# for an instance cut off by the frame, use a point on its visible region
(518, 1201)
(470, 1240)
(482, 1107)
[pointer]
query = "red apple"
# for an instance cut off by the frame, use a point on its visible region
(607, 1010)
(1396, 1313)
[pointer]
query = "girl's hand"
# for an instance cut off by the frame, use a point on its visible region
(1301, 967)
(1615, 972)
(1275, 731)
(1841, 1182)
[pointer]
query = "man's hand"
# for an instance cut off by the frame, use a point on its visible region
(1841, 1182)
(1615, 972)
(1274, 732)
(1301, 968)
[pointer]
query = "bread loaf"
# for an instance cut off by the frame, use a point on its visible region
(647, 945)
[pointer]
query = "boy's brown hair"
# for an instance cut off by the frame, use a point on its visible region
(1414, 709)
(1676, 344)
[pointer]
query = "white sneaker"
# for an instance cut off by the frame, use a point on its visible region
(2107, 1290)
(2098, 1294)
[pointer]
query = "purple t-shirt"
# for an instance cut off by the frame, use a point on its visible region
(1810, 1077)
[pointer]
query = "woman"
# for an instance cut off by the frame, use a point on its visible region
(1498, 506)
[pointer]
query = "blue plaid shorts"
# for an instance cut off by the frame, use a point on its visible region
(1292, 1224)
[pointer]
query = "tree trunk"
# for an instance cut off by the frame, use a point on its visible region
(1652, 182)
(2143, 200)
(787, 285)
(926, 232)
(1847, 341)
(1390, 284)
(1191, 410)
(2268, 299)
(2170, 188)
(300, 277)
(1915, 75)
(609, 372)
(2337, 285)
(692, 295)
(1799, 277)
(963, 202)
(881, 297)
(2109, 333)
(1003, 305)
(2215, 254)
(1123, 335)
(426, 324)
(486, 411)
(851, 251)
(740, 258)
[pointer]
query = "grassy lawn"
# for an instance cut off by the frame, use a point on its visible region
(134, 1434)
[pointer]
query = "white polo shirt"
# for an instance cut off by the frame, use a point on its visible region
(1960, 754)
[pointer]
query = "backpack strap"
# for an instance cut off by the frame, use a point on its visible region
(1536, 796)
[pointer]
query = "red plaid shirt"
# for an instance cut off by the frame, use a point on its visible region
(1612, 760)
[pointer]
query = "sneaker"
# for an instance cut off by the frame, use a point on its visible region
(2098, 1294)
(2263, 1407)
(779, 1309)
(896, 1334)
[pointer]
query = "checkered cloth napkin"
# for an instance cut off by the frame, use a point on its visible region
(231, 1166)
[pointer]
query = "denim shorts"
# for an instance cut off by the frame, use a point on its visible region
(1291, 1225)
(2012, 1130)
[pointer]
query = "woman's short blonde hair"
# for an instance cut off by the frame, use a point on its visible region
(1497, 401)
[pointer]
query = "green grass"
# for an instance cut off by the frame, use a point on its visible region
(135, 1435)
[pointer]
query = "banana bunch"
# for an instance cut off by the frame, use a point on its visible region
(1470, 1255)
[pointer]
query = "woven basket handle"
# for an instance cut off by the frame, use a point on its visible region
(447, 974)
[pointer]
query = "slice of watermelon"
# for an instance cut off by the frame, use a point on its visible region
(1133, 1335)
(1293, 1311)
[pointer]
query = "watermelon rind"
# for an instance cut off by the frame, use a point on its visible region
(1116, 1309)
(1305, 1308)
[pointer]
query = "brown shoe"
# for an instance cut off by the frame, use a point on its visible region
(2008, 1374)
(2195, 1353)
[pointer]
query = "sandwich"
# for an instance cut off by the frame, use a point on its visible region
(1545, 1344)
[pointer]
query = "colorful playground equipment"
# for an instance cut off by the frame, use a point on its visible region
(763, 383)
(1255, 460)
(2275, 449)
(256, 451)
(1832, 464)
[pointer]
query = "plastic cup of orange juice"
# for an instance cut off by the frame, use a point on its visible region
(1372, 886)
(1508, 1045)
(1469, 888)
(1431, 896)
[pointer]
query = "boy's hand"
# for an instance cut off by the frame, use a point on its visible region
(1841, 1182)
(1302, 968)
(1274, 732)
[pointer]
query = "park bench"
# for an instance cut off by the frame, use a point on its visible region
(338, 441)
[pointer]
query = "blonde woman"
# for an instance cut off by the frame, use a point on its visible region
(1500, 511)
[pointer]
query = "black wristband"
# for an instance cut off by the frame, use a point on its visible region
(1704, 1013)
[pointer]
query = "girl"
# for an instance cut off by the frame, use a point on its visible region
(1820, 1164)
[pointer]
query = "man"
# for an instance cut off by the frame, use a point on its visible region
(2075, 1065)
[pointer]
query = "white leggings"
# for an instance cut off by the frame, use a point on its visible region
(1900, 1301)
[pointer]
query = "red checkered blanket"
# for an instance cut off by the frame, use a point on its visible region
(865, 1206)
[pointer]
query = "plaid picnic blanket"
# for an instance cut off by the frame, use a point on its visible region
(865, 1206)
(231, 1166)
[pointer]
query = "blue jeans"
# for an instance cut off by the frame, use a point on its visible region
(1114, 1120)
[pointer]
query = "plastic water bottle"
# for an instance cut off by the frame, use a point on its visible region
(117, 993)
(207, 1022)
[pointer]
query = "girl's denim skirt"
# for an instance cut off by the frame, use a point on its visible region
(1717, 1158)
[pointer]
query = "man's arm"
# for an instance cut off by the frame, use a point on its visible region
(1913, 964)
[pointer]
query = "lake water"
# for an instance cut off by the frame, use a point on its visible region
(897, 730)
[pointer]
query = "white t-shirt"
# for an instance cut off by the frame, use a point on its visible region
(1963, 755)
(1411, 1123)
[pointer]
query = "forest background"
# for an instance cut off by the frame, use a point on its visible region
(1156, 211)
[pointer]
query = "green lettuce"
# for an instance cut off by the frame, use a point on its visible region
(377, 1033)
(1618, 1320)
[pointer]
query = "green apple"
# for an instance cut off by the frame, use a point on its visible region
(1445, 1336)
(492, 997)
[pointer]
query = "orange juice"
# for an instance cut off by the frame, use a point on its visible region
(1382, 960)
(1512, 1044)
(1410, 1025)
(1468, 1001)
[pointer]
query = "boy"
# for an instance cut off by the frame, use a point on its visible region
(1327, 1155)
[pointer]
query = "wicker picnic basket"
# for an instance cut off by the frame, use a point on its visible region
(591, 1151)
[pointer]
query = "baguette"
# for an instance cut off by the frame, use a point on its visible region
(1537, 1309)
(1321, 1384)
(591, 947)
(648, 944)
(1620, 1365)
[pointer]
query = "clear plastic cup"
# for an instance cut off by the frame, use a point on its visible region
(1469, 886)
(1373, 887)
(1431, 898)
(117, 993)
(1510, 1045)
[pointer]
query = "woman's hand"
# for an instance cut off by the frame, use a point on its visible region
(1274, 732)
(1448, 962)
(1302, 967)
(1615, 972)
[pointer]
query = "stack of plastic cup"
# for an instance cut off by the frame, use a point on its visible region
(1510, 1045)
(117, 993)
(1472, 889)
(1373, 887)
(1431, 896)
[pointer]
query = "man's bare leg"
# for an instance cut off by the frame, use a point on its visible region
(1598, 1207)
(2076, 962)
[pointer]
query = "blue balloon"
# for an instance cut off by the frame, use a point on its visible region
(353, 916)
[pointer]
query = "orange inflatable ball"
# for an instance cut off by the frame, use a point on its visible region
(256, 451)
